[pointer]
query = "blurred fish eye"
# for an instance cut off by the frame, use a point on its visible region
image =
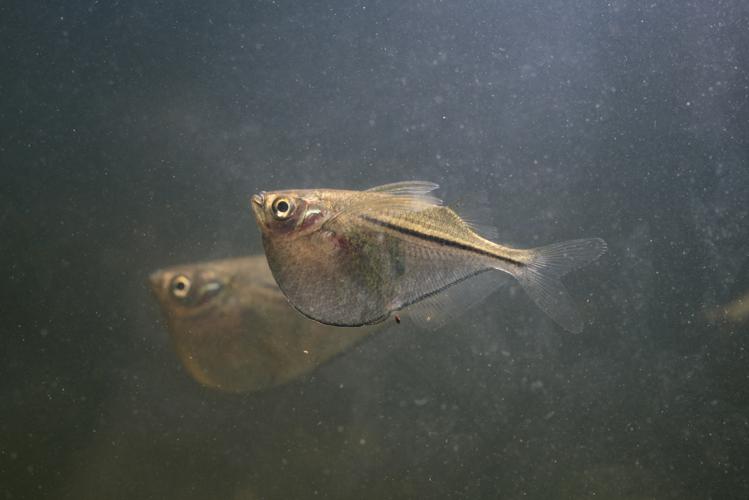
(282, 208)
(180, 286)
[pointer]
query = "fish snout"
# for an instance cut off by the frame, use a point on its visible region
(154, 279)
(258, 205)
(259, 199)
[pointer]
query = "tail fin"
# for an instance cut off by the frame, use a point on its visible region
(541, 277)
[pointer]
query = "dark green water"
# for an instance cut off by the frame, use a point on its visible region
(133, 133)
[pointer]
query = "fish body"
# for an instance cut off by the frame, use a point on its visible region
(233, 329)
(353, 258)
(736, 311)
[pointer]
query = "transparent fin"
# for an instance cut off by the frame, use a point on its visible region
(410, 194)
(484, 230)
(406, 188)
(475, 211)
(541, 277)
(395, 198)
(441, 308)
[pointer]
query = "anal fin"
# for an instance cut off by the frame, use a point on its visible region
(439, 309)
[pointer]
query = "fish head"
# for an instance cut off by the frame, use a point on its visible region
(290, 213)
(187, 289)
(218, 315)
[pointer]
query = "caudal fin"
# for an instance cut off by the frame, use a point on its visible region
(541, 277)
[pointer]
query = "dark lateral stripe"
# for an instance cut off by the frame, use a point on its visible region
(436, 239)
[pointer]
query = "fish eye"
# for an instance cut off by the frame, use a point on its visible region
(282, 208)
(180, 286)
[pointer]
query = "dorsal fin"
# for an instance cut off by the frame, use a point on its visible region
(410, 193)
(406, 188)
(484, 230)
(398, 197)
(475, 213)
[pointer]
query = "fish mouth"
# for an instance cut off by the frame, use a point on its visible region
(258, 202)
(154, 279)
(156, 285)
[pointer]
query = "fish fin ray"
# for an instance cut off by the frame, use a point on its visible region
(474, 211)
(397, 198)
(405, 188)
(404, 196)
(439, 309)
(484, 230)
(541, 277)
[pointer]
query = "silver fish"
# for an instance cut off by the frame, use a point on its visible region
(352, 258)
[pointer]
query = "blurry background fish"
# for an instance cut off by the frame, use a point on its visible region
(735, 311)
(233, 329)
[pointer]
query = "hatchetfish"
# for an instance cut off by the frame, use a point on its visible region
(233, 329)
(352, 258)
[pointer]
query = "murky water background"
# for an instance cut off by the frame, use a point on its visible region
(133, 133)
